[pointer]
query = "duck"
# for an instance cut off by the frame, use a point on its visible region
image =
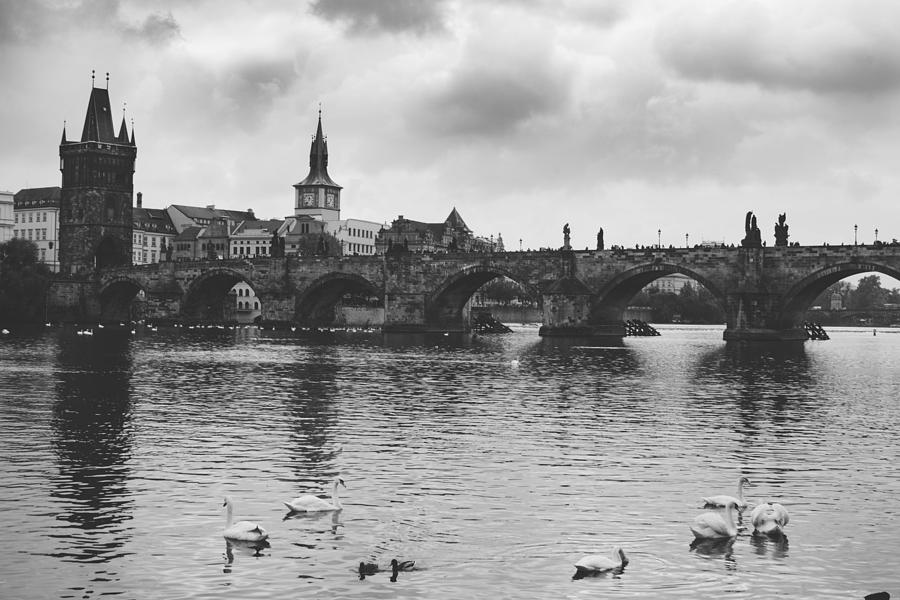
(403, 565)
(715, 525)
(367, 569)
(769, 518)
(594, 564)
(310, 503)
(397, 566)
(244, 531)
(722, 499)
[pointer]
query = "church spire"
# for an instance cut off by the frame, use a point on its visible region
(63, 140)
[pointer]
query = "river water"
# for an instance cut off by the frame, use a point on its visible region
(117, 451)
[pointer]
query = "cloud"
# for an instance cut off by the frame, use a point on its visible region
(495, 88)
(158, 29)
(35, 21)
(392, 16)
(845, 50)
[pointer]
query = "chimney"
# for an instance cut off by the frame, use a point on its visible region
(140, 199)
(211, 206)
(250, 212)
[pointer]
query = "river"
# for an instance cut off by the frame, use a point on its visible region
(495, 477)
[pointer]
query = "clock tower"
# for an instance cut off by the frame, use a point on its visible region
(318, 195)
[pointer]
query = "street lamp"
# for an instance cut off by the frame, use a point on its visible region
(659, 238)
(854, 235)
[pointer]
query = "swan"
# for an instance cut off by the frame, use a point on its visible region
(310, 503)
(769, 518)
(712, 525)
(597, 563)
(722, 499)
(245, 531)
(514, 363)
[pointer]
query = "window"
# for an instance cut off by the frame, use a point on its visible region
(256, 305)
(17, 217)
(43, 255)
(29, 233)
(45, 217)
(30, 217)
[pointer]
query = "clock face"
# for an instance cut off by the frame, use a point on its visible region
(308, 199)
(329, 200)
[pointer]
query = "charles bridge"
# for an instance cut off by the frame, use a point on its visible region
(764, 291)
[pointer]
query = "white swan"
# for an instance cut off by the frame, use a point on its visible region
(310, 503)
(723, 499)
(245, 531)
(769, 518)
(713, 525)
(597, 563)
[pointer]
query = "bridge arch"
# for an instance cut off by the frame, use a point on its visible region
(117, 297)
(612, 300)
(446, 303)
(207, 299)
(315, 307)
(800, 296)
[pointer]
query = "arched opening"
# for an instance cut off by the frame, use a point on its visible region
(850, 294)
(659, 293)
(338, 300)
(111, 252)
(450, 307)
(122, 301)
(212, 298)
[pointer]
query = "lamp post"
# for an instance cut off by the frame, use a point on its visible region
(686, 245)
(854, 234)
(876, 235)
(659, 238)
(520, 244)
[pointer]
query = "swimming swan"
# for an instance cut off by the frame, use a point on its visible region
(769, 518)
(712, 525)
(245, 531)
(722, 499)
(597, 563)
(310, 503)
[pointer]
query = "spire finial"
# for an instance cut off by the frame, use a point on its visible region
(320, 110)
(107, 80)
(92, 77)
(124, 107)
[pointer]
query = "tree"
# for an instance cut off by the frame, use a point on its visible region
(23, 283)
(868, 294)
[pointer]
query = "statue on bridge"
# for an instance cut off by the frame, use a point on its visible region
(566, 231)
(277, 246)
(753, 237)
(168, 250)
(781, 231)
(600, 239)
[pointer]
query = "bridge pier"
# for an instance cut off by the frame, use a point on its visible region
(568, 310)
(756, 317)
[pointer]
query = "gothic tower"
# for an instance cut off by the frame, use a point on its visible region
(95, 223)
(318, 195)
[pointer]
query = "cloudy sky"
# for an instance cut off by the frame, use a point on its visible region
(636, 116)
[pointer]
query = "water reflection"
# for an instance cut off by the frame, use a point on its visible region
(92, 439)
(775, 546)
(721, 548)
(253, 549)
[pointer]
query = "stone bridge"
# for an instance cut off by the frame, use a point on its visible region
(764, 291)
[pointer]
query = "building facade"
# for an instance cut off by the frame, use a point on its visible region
(7, 216)
(253, 239)
(95, 218)
(152, 234)
(36, 219)
(451, 235)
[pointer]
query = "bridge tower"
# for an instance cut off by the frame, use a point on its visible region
(318, 195)
(95, 220)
